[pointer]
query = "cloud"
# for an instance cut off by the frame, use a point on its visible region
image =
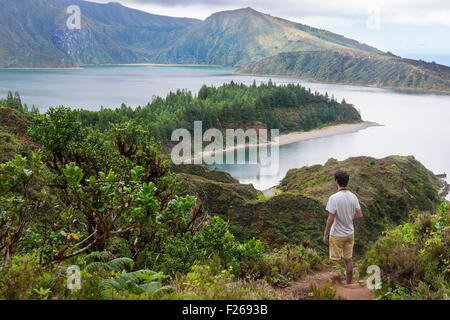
(323, 13)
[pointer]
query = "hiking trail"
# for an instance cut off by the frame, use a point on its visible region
(300, 289)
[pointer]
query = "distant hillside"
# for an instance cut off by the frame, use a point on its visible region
(355, 68)
(238, 37)
(33, 33)
(387, 188)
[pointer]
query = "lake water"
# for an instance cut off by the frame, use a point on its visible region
(413, 124)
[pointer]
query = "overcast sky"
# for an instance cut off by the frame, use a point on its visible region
(415, 28)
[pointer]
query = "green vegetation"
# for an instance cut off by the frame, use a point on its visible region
(242, 36)
(388, 189)
(355, 68)
(37, 36)
(258, 42)
(15, 119)
(414, 257)
(263, 279)
(113, 34)
(94, 189)
(106, 202)
(288, 108)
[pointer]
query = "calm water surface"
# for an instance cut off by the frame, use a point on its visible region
(413, 124)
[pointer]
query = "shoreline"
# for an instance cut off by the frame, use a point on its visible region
(327, 131)
(43, 68)
(369, 86)
(145, 64)
(148, 64)
(294, 137)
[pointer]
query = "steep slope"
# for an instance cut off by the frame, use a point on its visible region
(13, 134)
(238, 37)
(388, 190)
(355, 68)
(414, 257)
(33, 33)
(26, 30)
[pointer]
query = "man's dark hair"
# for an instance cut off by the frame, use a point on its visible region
(342, 178)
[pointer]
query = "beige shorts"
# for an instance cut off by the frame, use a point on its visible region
(341, 247)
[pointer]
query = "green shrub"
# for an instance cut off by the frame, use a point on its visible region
(322, 292)
(106, 278)
(289, 263)
(213, 243)
(203, 283)
(25, 279)
(414, 258)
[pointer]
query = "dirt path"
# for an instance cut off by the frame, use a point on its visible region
(301, 289)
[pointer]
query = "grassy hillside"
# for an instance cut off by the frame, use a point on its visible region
(413, 258)
(33, 33)
(355, 68)
(136, 234)
(26, 30)
(238, 37)
(13, 134)
(388, 190)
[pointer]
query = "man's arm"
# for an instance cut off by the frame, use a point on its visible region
(358, 214)
(330, 221)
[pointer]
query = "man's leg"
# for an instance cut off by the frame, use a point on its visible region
(347, 257)
(348, 270)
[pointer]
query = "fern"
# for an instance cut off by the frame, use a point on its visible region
(118, 264)
(138, 282)
(100, 262)
(96, 255)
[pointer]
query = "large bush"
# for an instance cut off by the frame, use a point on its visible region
(414, 258)
(112, 192)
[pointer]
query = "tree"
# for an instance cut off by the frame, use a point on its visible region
(18, 102)
(203, 92)
(19, 202)
(10, 100)
(108, 185)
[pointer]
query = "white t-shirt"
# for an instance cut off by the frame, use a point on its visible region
(343, 205)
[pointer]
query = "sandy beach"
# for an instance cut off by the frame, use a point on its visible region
(295, 137)
(325, 132)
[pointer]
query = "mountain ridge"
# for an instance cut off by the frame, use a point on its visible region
(355, 68)
(241, 36)
(33, 34)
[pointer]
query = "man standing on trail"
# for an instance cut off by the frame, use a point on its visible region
(343, 207)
